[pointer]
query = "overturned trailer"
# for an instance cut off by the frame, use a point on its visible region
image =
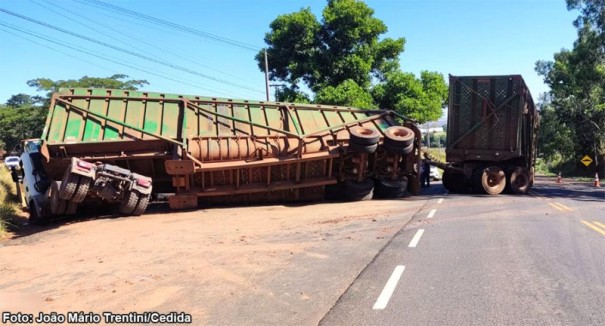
(125, 146)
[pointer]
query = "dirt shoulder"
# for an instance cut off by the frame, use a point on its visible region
(245, 265)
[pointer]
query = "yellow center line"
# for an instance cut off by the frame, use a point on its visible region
(594, 227)
(600, 224)
(560, 207)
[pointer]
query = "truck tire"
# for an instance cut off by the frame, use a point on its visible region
(128, 205)
(57, 205)
(356, 191)
(141, 205)
(519, 180)
(71, 208)
(82, 189)
(69, 184)
(34, 217)
(385, 188)
(493, 180)
(399, 136)
(360, 148)
(396, 149)
(453, 182)
(364, 136)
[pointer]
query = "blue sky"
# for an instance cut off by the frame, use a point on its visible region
(459, 37)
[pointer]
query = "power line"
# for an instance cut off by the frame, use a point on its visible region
(127, 12)
(121, 33)
(142, 56)
(95, 55)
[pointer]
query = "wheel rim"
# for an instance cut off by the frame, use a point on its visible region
(493, 180)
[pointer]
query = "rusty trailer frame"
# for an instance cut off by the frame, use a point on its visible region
(221, 150)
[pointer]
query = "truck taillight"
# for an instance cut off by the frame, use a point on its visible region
(144, 183)
(85, 165)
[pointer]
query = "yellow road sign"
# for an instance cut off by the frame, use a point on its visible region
(586, 160)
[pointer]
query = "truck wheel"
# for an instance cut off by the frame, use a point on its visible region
(453, 182)
(493, 180)
(34, 217)
(141, 205)
(360, 148)
(354, 190)
(57, 205)
(71, 208)
(519, 180)
(397, 149)
(129, 203)
(385, 188)
(69, 184)
(82, 190)
(364, 136)
(398, 136)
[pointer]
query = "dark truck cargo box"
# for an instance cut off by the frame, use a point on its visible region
(491, 134)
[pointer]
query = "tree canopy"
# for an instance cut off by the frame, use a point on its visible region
(576, 103)
(343, 60)
(114, 82)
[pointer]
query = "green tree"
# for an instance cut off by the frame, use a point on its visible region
(17, 123)
(577, 81)
(348, 93)
(114, 82)
(421, 99)
(342, 60)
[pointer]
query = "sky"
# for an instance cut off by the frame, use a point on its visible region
(68, 39)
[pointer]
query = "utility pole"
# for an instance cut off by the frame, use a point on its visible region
(266, 74)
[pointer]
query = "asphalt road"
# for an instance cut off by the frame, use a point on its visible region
(537, 259)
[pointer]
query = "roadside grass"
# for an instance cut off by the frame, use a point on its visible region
(8, 201)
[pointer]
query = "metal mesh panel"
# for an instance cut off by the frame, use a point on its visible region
(465, 112)
(481, 107)
(499, 130)
(278, 173)
(315, 169)
(221, 178)
(257, 175)
(501, 90)
(244, 177)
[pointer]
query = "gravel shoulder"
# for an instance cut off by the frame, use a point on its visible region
(244, 265)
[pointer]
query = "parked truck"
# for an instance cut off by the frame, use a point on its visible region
(125, 148)
(491, 135)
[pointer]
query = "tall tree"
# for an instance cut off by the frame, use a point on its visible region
(342, 60)
(577, 81)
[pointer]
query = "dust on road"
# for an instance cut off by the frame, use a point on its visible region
(245, 265)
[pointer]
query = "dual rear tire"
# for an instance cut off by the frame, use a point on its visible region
(74, 187)
(135, 203)
(491, 180)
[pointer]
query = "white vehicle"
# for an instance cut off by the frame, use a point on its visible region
(435, 174)
(46, 198)
(11, 162)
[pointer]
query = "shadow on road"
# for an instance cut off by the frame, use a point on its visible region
(581, 191)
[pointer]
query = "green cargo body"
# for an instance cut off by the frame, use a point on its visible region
(210, 147)
(492, 122)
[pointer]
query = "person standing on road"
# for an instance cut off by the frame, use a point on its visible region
(425, 177)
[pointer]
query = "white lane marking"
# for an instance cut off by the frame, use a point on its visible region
(385, 295)
(440, 201)
(431, 213)
(416, 238)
